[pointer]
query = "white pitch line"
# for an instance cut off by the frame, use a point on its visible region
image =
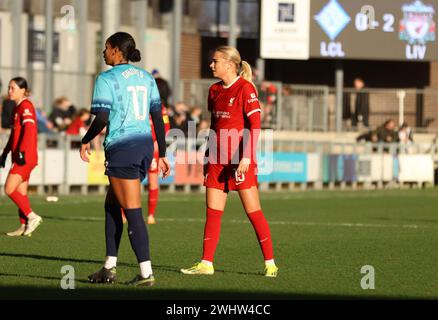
(273, 222)
(318, 224)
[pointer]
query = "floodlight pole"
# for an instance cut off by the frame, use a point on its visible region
(110, 22)
(81, 7)
(16, 11)
(232, 37)
(176, 52)
(139, 14)
(339, 91)
(48, 65)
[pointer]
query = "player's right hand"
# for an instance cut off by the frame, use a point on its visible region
(164, 166)
(21, 160)
(85, 152)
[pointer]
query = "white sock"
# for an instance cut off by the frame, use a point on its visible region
(269, 263)
(110, 262)
(208, 263)
(145, 268)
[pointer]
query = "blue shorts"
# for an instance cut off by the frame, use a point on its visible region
(129, 160)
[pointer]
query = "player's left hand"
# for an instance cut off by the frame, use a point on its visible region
(3, 160)
(85, 152)
(243, 165)
(164, 166)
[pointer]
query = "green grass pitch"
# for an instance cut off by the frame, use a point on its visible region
(321, 241)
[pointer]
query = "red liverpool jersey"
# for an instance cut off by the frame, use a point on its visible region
(24, 132)
(165, 120)
(231, 106)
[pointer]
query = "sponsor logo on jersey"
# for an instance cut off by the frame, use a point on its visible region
(253, 98)
(222, 114)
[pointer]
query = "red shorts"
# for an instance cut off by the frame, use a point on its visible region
(23, 171)
(224, 177)
(154, 164)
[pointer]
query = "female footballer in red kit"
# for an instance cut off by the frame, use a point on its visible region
(234, 105)
(22, 144)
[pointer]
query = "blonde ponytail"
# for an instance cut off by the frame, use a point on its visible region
(245, 71)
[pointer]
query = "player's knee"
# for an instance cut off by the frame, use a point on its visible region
(132, 205)
(252, 210)
(9, 190)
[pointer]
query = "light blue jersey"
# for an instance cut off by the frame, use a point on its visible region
(129, 94)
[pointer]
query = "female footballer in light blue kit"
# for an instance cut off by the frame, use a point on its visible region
(123, 98)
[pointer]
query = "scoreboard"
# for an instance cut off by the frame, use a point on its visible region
(374, 29)
(403, 30)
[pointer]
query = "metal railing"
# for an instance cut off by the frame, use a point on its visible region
(77, 87)
(304, 108)
(416, 107)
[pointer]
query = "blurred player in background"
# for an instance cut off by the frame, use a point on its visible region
(153, 186)
(22, 144)
(123, 99)
(233, 104)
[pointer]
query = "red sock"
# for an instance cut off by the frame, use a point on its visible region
(261, 228)
(22, 202)
(152, 201)
(212, 232)
(22, 216)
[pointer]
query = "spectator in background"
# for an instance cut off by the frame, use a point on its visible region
(370, 136)
(62, 114)
(346, 110)
(268, 100)
(405, 134)
(44, 124)
(361, 104)
(79, 126)
(163, 87)
(179, 121)
(7, 113)
(181, 107)
(179, 117)
(196, 116)
(203, 125)
(386, 133)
